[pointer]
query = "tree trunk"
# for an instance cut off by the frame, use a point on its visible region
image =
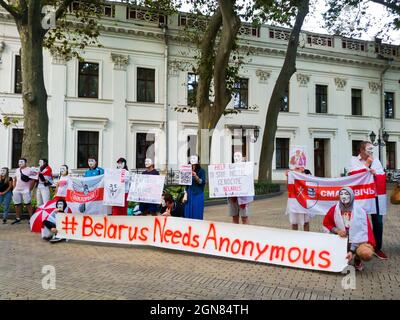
(215, 66)
(34, 95)
(271, 122)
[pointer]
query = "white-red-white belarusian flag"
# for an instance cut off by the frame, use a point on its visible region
(314, 195)
(85, 195)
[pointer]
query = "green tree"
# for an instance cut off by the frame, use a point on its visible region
(45, 24)
(282, 13)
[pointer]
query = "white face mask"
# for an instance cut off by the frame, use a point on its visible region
(194, 160)
(148, 163)
(345, 197)
(60, 206)
(41, 163)
(92, 163)
(120, 165)
(21, 163)
(3, 172)
(237, 157)
(63, 171)
(369, 150)
(163, 204)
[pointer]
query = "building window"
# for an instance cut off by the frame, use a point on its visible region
(321, 98)
(356, 105)
(285, 101)
(145, 143)
(192, 82)
(88, 85)
(145, 85)
(88, 146)
(391, 155)
(389, 105)
(355, 146)
(241, 94)
(109, 11)
(18, 75)
(17, 135)
(282, 153)
(239, 142)
(191, 145)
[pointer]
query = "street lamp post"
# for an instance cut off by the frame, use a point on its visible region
(380, 142)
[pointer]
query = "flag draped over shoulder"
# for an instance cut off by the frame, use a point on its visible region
(315, 196)
(85, 195)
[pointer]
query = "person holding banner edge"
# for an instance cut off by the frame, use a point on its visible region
(149, 208)
(366, 162)
(346, 218)
(122, 211)
(194, 196)
(239, 206)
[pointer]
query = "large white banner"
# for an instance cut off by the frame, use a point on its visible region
(306, 250)
(231, 180)
(146, 188)
(114, 187)
(314, 195)
(85, 195)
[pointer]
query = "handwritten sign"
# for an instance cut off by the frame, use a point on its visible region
(146, 188)
(306, 250)
(231, 180)
(185, 175)
(114, 187)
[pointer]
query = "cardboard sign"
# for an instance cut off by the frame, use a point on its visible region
(185, 175)
(297, 249)
(146, 188)
(231, 180)
(114, 187)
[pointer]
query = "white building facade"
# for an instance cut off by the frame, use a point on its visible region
(121, 101)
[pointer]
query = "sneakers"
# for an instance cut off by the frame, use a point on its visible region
(16, 221)
(55, 240)
(381, 255)
(358, 265)
(4, 221)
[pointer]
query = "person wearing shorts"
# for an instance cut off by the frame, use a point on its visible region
(237, 210)
(23, 185)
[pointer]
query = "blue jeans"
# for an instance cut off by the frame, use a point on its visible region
(5, 200)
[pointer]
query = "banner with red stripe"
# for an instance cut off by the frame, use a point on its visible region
(315, 196)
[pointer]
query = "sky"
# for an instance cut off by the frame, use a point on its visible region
(375, 13)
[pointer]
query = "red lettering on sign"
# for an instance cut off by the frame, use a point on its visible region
(325, 255)
(87, 224)
(261, 251)
(310, 259)
(279, 252)
(222, 241)
(112, 231)
(290, 256)
(98, 227)
(239, 245)
(211, 236)
(143, 234)
(247, 244)
(177, 234)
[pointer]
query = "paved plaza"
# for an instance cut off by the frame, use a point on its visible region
(97, 271)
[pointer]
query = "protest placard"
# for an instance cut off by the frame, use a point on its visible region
(231, 180)
(146, 188)
(114, 187)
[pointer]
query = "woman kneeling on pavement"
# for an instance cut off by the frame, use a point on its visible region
(347, 218)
